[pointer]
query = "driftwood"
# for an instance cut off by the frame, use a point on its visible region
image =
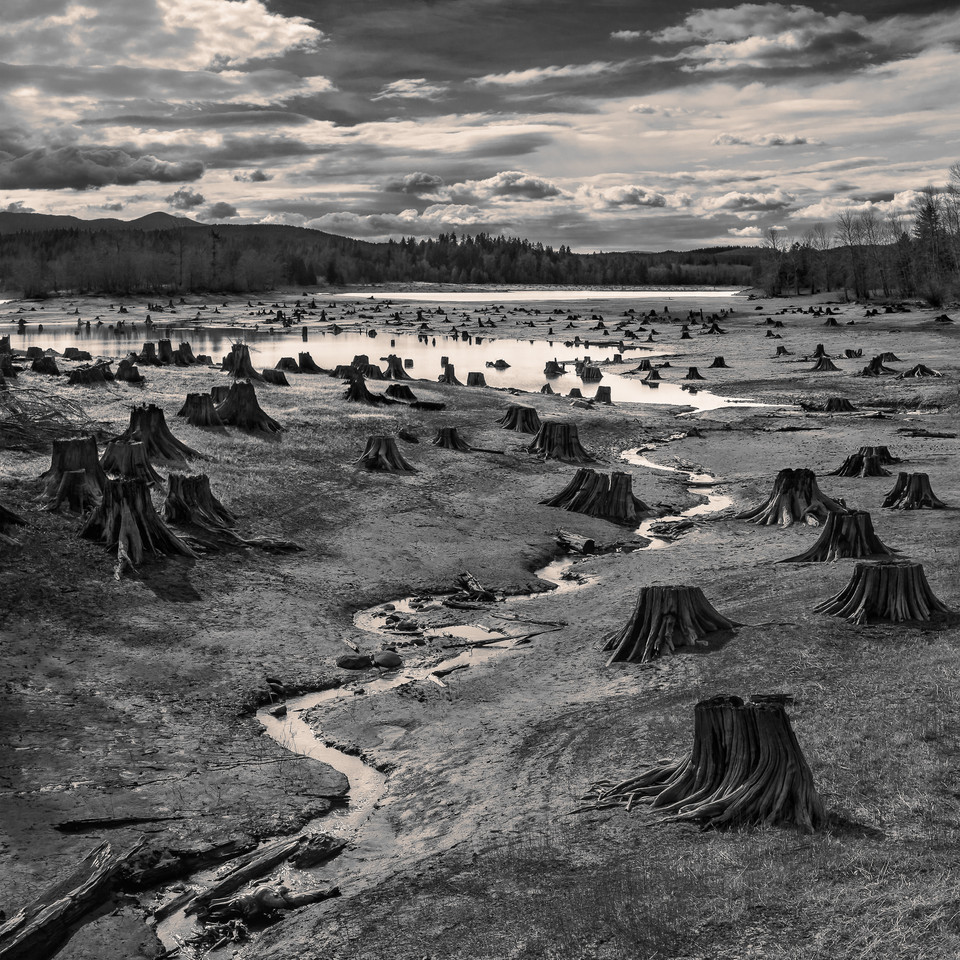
(129, 460)
(520, 418)
(745, 768)
(471, 589)
(860, 465)
(69, 457)
(400, 391)
(449, 438)
(38, 930)
(149, 426)
(238, 363)
(241, 409)
(199, 411)
(796, 498)
(844, 535)
(382, 453)
(912, 491)
(574, 542)
(664, 618)
(318, 848)
(265, 902)
(307, 364)
(191, 501)
(597, 495)
(556, 440)
(277, 377)
(884, 591)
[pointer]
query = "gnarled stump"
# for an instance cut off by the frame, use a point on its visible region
(184, 354)
(919, 371)
(844, 535)
(164, 351)
(882, 454)
(400, 391)
(357, 392)
(126, 521)
(547, 390)
(219, 393)
(885, 591)
(128, 459)
(148, 355)
(449, 438)
(838, 405)
(238, 362)
(277, 377)
(796, 497)
(520, 418)
(92, 375)
(745, 768)
(382, 453)
(664, 618)
(395, 369)
(476, 380)
(199, 410)
(912, 491)
(241, 409)
(449, 376)
(824, 365)
(556, 440)
(694, 374)
(149, 426)
(859, 465)
(307, 364)
(191, 501)
(596, 495)
(68, 456)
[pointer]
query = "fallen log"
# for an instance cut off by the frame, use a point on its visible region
(844, 535)
(796, 497)
(912, 491)
(574, 542)
(264, 903)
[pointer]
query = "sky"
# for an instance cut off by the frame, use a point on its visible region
(602, 125)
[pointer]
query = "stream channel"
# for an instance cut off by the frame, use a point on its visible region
(361, 821)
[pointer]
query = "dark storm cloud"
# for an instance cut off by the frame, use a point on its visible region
(414, 183)
(112, 206)
(881, 196)
(89, 168)
(214, 118)
(220, 211)
(18, 206)
(184, 199)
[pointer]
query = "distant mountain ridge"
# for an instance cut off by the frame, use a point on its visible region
(17, 222)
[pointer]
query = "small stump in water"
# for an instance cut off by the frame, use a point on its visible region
(449, 376)
(559, 441)
(664, 618)
(745, 768)
(844, 535)
(796, 497)
(884, 592)
(912, 491)
(694, 374)
(520, 418)
(382, 453)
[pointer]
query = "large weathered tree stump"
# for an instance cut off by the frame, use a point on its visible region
(199, 410)
(127, 522)
(520, 418)
(241, 409)
(129, 460)
(882, 454)
(191, 501)
(884, 592)
(395, 370)
(148, 355)
(164, 351)
(694, 374)
(597, 495)
(476, 380)
(277, 377)
(745, 768)
(449, 376)
(796, 498)
(93, 375)
(664, 618)
(590, 373)
(382, 453)
(219, 393)
(556, 440)
(45, 365)
(603, 395)
(400, 391)
(149, 426)
(875, 368)
(838, 405)
(307, 364)
(919, 371)
(67, 457)
(860, 465)
(718, 362)
(128, 373)
(844, 535)
(824, 365)
(357, 392)
(184, 354)
(912, 491)
(288, 365)
(449, 438)
(238, 363)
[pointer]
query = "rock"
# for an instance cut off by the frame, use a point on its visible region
(407, 626)
(354, 661)
(278, 711)
(319, 848)
(388, 659)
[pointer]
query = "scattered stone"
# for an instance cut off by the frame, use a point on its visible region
(353, 661)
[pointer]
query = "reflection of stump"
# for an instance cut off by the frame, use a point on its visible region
(884, 591)
(596, 495)
(476, 380)
(149, 426)
(400, 391)
(238, 362)
(520, 418)
(745, 767)
(69, 456)
(307, 364)
(395, 369)
(129, 460)
(718, 362)
(824, 365)
(603, 395)
(126, 520)
(664, 618)
(191, 501)
(838, 405)
(241, 409)
(652, 376)
(449, 438)
(912, 491)
(382, 453)
(796, 497)
(858, 465)
(844, 535)
(694, 374)
(277, 377)
(199, 410)
(559, 441)
(449, 376)
(288, 364)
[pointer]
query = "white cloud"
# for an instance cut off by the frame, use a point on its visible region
(626, 34)
(509, 184)
(745, 232)
(522, 78)
(413, 89)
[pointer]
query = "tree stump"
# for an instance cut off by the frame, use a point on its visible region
(824, 365)
(652, 376)
(45, 365)
(219, 393)
(8, 519)
(859, 465)
(127, 522)
(838, 405)
(357, 392)
(164, 351)
(547, 390)
(745, 768)
(603, 396)
(912, 491)
(93, 375)
(520, 418)
(307, 364)
(185, 353)
(853, 354)
(882, 454)
(277, 377)
(241, 409)
(875, 368)
(556, 440)
(69, 456)
(129, 460)
(199, 410)
(782, 352)
(591, 374)
(400, 391)
(796, 497)
(288, 365)
(694, 374)
(553, 369)
(343, 371)
(476, 380)
(574, 394)
(449, 376)
(844, 535)
(886, 592)
(919, 371)
(191, 501)
(148, 355)
(664, 618)
(449, 438)
(718, 362)
(819, 351)
(128, 373)
(149, 426)
(596, 495)
(382, 453)
(395, 370)
(643, 366)
(238, 363)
